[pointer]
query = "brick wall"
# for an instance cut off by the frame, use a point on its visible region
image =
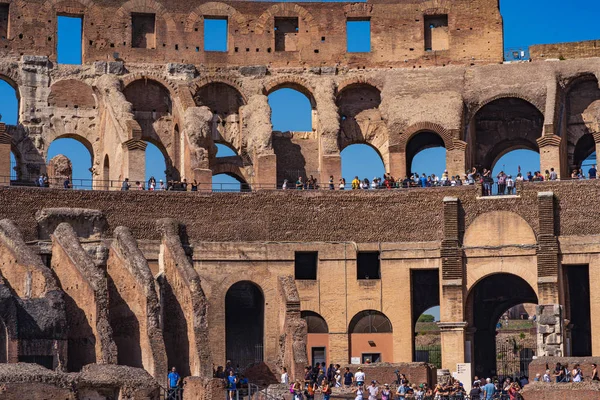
(584, 49)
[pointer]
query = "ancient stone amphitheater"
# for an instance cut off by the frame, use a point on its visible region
(97, 286)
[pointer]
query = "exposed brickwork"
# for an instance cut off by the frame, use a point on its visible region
(589, 48)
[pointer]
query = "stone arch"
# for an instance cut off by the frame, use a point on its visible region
(235, 98)
(292, 82)
(207, 80)
(509, 228)
(151, 6)
(370, 321)
(150, 76)
(231, 169)
(284, 10)
(420, 127)
(503, 124)
(356, 80)
(81, 139)
(244, 322)
(537, 104)
(71, 93)
(214, 8)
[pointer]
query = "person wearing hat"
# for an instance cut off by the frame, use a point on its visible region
(359, 377)
(373, 390)
(386, 393)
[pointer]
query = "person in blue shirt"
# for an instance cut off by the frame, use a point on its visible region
(231, 384)
(174, 380)
(423, 181)
(489, 389)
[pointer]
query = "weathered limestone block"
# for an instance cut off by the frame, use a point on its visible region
(90, 335)
(549, 321)
(254, 70)
(185, 323)
(59, 170)
(181, 71)
(293, 330)
(134, 307)
(89, 224)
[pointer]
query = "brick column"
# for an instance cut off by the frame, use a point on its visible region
(549, 312)
(5, 141)
(452, 325)
(397, 163)
(550, 154)
(456, 158)
(134, 160)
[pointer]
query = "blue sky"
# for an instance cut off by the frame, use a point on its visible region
(525, 23)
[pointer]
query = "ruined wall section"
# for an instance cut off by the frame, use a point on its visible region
(402, 33)
(292, 340)
(185, 323)
(134, 307)
(90, 338)
(583, 49)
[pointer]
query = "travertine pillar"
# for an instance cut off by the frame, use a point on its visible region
(331, 165)
(397, 164)
(550, 330)
(452, 325)
(265, 172)
(456, 158)
(134, 160)
(550, 154)
(5, 141)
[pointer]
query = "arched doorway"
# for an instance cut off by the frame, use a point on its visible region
(317, 338)
(370, 334)
(291, 110)
(79, 151)
(156, 166)
(515, 162)
(426, 154)
(361, 160)
(244, 324)
(503, 125)
(487, 301)
(584, 154)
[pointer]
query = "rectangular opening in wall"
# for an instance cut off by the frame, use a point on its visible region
(578, 309)
(4, 21)
(69, 45)
(318, 355)
(368, 265)
(143, 31)
(436, 32)
(370, 358)
(305, 265)
(358, 35)
(286, 34)
(215, 33)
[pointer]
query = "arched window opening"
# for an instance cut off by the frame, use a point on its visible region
(229, 183)
(317, 338)
(150, 100)
(362, 161)
(426, 154)
(77, 163)
(503, 125)
(370, 337)
(291, 111)
(225, 151)
(425, 312)
(315, 323)
(589, 163)
(222, 99)
(584, 155)
(494, 352)
(156, 167)
(244, 324)
(520, 163)
(370, 321)
(582, 103)
(9, 103)
(13, 167)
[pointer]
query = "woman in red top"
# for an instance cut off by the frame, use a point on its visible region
(513, 392)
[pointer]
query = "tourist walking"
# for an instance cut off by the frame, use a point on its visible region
(174, 380)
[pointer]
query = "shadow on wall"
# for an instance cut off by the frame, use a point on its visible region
(290, 162)
(126, 329)
(82, 342)
(175, 331)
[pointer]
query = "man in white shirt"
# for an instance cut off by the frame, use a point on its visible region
(373, 391)
(359, 377)
(285, 377)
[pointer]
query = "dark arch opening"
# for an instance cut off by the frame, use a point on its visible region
(426, 145)
(149, 99)
(315, 323)
(370, 321)
(503, 125)
(244, 324)
(222, 99)
(425, 297)
(585, 147)
(583, 97)
(487, 301)
(291, 110)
